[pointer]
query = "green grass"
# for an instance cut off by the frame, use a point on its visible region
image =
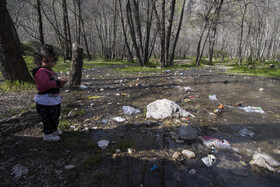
(256, 68)
(123, 145)
(12, 112)
(63, 124)
(16, 86)
(71, 143)
(92, 160)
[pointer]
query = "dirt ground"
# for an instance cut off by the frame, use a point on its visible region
(76, 160)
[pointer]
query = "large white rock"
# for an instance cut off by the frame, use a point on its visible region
(164, 108)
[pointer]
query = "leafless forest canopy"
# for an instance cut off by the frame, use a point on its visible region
(142, 29)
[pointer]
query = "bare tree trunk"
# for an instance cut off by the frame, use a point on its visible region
(162, 38)
(12, 64)
(66, 41)
(241, 35)
(179, 29)
(85, 41)
(40, 22)
(212, 37)
(76, 65)
(56, 23)
(130, 56)
(168, 32)
(132, 33)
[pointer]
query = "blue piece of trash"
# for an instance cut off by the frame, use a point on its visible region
(154, 167)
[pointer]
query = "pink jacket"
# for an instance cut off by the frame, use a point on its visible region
(46, 79)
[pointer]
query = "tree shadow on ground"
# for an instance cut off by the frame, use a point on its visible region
(150, 164)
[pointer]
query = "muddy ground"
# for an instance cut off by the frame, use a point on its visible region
(76, 160)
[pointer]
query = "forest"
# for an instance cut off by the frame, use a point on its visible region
(143, 30)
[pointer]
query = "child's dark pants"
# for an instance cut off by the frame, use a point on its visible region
(50, 116)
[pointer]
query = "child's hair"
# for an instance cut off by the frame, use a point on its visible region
(46, 50)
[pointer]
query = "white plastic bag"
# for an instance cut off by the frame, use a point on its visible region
(252, 109)
(128, 110)
(213, 98)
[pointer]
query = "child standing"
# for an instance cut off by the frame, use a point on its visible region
(48, 85)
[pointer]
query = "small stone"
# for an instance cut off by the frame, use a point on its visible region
(176, 155)
(69, 166)
(188, 153)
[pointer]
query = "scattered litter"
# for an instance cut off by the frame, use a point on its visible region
(104, 121)
(187, 100)
(252, 109)
(209, 160)
(277, 151)
(129, 150)
(150, 123)
(214, 150)
(71, 114)
(193, 171)
(261, 89)
(94, 97)
(188, 153)
(246, 132)
(83, 87)
(191, 96)
(142, 85)
(185, 119)
(213, 97)
(119, 119)
(128, 110)
(265, 161)
(19, 170)
(212, 114)
(154, 167)
(186, 89)
(103, 144)
(215, 142)
(69, 167)
(67, 91)
(219, 109)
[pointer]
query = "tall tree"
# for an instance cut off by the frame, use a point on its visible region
(12, 64)
(67, 36)
(40, 22)
(240, 46)
(218, 6)
(137, 22)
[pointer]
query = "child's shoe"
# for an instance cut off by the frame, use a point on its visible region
(57, 132)
(51, 138)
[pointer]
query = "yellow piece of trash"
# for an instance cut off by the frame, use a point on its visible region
(187, 100)
(94, 97)
(123, 93)
(97, 117)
